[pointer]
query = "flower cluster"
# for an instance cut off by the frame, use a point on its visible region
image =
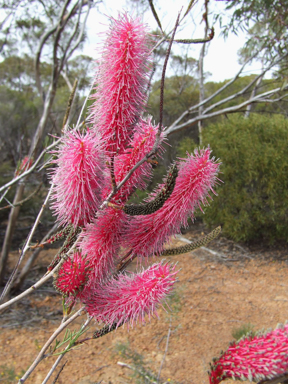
(89, 167)
(254, 358)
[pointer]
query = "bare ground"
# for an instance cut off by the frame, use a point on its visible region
(216, 294)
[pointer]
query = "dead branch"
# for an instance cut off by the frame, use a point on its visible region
(24, 200)
(155, 15)
(176, 126)
(41, 354)
(256, 99)
(205, 101)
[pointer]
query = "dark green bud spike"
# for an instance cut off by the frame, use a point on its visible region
(69, 241)
(59, 235)
(106, 329)
(160, 199)
(190, 247)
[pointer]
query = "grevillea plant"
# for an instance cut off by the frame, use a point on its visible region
(91, 165)
(95, 170)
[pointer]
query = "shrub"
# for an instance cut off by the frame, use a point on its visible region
(243, 330)
(253, 203)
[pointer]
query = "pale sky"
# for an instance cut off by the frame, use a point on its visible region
(221, 60)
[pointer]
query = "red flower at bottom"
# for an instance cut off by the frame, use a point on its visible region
(72, 276)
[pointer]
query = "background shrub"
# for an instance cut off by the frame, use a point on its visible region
(253, 203)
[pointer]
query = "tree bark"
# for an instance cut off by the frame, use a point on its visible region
(10, 229)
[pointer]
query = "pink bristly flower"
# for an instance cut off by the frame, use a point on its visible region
(101, 241)
(141, 144)
(72, 276)
(262, 357)
(77, 178)
(197, 176)
(130, 297)
(121, 82)
(24, 165)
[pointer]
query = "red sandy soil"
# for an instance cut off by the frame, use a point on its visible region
(215, 295)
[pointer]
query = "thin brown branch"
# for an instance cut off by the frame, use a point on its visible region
(60, 371)
(201, 71)
(163, 79)
(63, 20)
(80, 36)
(112, 173)
(24, 200)
(190, 5)
(64, 55)
(43, 40)
(70, 101)
(155, 14)
(235, 108)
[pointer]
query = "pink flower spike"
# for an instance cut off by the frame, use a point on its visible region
(72, 276)
(146, 235)
(121, 82)
(141, 144)
(130, 297)
(101, 241)
(258, 358)
(77, 179)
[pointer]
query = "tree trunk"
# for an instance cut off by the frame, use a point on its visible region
(253, 94)
(13, 216)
